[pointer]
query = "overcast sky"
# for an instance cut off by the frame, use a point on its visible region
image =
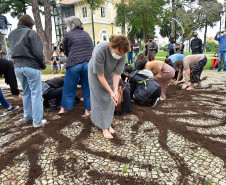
(211, 32)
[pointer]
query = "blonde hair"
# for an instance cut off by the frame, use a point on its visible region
(120, 42)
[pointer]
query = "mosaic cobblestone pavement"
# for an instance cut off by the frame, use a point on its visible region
(181, 141)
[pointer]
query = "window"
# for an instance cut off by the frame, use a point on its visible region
(84, 11)
(103, 12)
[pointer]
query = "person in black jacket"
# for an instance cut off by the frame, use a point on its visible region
(53, 89)
(142, 85)
(27, 53)
(78, 48)
(196, 45)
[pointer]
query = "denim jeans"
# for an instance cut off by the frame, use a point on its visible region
(222, 55)
(130, 57)
(73, 75)
(30, 80)
(3, 101)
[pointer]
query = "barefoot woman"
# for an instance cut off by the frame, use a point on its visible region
(104, 71)
(193, 66)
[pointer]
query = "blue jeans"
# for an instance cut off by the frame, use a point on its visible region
(130, 57)
(3, 101)
(222, 55)
(73, 75)
(30, 80)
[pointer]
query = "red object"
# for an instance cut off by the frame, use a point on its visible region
(215, 63)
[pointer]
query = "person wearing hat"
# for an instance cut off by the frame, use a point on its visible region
(54, 63)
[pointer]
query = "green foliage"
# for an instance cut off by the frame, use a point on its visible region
(208, 182)
(164, 48)
(124, 169)
(212, 47)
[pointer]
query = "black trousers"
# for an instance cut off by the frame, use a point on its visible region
(156, 94)
(53, 94)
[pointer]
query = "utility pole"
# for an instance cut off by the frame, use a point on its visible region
(173, 19)
(91, 7)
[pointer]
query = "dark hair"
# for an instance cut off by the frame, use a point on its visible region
(168, 61)
(140, 64)
(151, 37)
(178, 64)
(128, 69)
(120, 42)
(141, 56)
(26, 20)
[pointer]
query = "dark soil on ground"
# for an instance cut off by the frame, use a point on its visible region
(32, 147)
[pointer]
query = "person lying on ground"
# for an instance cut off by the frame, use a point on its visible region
(193, 66)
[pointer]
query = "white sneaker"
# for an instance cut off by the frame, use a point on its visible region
(41, 124)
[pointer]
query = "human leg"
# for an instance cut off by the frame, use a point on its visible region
(3, 101)
(224, 56)
(27, 105)
(70, 86)
(220, 60)
(35, 85)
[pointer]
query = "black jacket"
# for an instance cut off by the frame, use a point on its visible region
(141, 86)
(55, 83)
(78, 47)
(7, 69)
(26, 47)
(194, 43)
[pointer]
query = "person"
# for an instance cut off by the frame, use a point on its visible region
(146, 48)
(152, 49)
(222, 50)
(126, 105)
(105, 68)
(180, 48)
(215, 60)
(6, 105)
(54, 63)
(62, 60)
(163, 74)
(7, 69)
(130, 53)
(136, 49)
(61, 47)
(172, 47)
(193, 66)
(170, 61)
(2, 52)
(78, 48)
(27, 53)
(142, 85)
(196, 45)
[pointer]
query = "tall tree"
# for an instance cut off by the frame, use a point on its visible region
(46, 35)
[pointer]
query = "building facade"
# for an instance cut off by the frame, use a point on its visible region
(103, 18)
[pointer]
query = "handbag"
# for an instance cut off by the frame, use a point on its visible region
(120, 98)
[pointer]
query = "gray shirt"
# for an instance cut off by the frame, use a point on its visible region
(102, 62)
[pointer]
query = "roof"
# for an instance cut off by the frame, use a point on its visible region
(75, 1)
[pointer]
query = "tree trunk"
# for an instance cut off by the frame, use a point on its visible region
(123, 18)
(172, 20)
(144, 26)
(46, 36)
(204, 45)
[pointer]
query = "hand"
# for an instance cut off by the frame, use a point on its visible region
(19, 97)
(184, 86)
(176, 82)
(116, 96)
(196, 46)
(113, 98)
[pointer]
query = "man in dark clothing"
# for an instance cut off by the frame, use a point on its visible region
(27, 53)
(196, 45)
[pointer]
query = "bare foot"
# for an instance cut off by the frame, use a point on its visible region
(107, 134)
(87, 113)
(111, 130)
(61, 111)
(199, 85)
(190, 88)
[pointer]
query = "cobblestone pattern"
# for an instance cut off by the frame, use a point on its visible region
(146, 158)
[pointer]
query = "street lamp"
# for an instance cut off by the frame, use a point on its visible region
(112, 24)
(91, 6)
